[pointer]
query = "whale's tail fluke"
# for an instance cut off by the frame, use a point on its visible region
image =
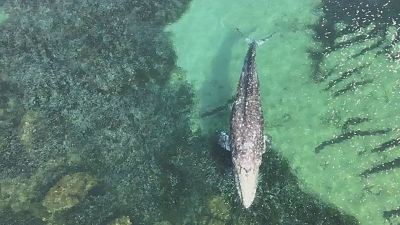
(265, 39)
(250, 40)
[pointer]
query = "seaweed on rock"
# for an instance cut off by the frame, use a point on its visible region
(348, 135)
(387, 145)
(386, 166)
(388, 214)
(344, 76)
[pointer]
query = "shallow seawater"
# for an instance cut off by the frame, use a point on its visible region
(109, 111)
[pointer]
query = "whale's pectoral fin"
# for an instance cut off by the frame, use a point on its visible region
(223, 140)
(267, 143)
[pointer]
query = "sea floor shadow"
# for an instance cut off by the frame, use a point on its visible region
(216, 92)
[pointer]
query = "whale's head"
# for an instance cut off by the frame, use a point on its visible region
(246, 168)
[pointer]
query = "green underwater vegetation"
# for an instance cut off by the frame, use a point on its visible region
(108, 111)
(87, 87)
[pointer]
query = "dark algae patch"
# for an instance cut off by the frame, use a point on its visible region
(353, 16)
(387, 166)
(387, 145)
(348, 135)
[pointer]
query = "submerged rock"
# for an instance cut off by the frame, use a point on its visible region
(123, 220)
(28, 127)
(16, 194)
(21, 193)
(219, 208)
(68, 191)
(216, 222)
(163, 223)
(3, 15)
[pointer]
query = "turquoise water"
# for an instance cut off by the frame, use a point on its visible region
(109, 111)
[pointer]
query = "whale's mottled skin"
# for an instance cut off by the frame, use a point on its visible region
(246, 140)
